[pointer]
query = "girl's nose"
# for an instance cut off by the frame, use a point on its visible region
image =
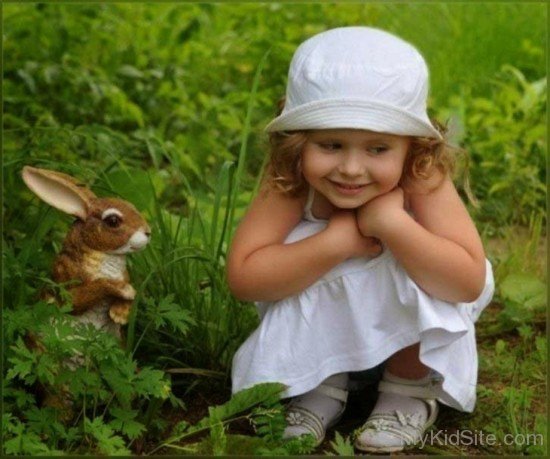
(352, 164)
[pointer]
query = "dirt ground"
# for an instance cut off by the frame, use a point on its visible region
(360, 404)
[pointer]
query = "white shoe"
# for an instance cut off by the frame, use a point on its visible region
(392, 430)
(304, 421)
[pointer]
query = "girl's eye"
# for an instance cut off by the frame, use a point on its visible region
(113, 221)
(378, 150)
(330, 146)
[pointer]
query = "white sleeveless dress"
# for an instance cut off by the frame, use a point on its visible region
(354, 318)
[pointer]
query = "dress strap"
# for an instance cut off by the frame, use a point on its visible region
(308, 215)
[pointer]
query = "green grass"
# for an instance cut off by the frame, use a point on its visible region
(164, 105)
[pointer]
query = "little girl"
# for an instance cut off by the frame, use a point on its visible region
(358, 248)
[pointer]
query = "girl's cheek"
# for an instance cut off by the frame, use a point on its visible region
(384, 172)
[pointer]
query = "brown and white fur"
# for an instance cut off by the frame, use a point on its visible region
(94, 251)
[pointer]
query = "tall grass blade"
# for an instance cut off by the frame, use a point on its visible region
(244, 144)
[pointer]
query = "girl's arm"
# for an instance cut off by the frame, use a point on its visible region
(261, 268)
(441, 250)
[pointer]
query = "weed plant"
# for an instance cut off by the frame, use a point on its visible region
(163, 105)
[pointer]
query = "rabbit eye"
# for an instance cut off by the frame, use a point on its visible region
(113, 221)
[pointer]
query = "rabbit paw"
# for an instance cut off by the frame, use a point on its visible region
(119, 313)
(128, 292)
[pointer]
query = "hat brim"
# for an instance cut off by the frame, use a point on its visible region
(353, 114)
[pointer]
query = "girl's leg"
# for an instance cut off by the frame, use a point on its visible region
(404, 367)
(406, 364)
(398, 419)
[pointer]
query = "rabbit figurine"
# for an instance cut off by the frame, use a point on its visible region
(95, 248)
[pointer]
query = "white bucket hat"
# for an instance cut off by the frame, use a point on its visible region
(357, 78)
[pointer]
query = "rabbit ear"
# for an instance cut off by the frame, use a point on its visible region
(59, 190)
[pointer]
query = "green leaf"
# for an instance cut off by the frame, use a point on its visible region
(45, 421)
(500, 346)
(218, 437)
(21, 398)
(524, 289)
(133, 185)
(499, 186)
(23, 362)
(107, 442)
(169, 313)
(342, 446)
(152, 383)
(130, 71)
(267, 393)
(28, 79)
(46, 368)
(235, 445)
(18, 439)
(124, 421)
(269, 423)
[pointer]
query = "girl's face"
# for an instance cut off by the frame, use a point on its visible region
(349, 167)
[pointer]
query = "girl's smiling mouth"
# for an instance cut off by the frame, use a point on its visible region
(349, 189)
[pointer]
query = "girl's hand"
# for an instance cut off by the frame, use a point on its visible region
(378, 214)
(347, 237)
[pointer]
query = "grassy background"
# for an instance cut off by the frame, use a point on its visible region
(165, 104)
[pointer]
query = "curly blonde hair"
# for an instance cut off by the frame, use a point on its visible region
(425, 157)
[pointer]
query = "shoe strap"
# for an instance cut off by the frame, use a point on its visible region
(424, 392)
(386, 422)
(433, 409)
(299, 416)
(332, 392)
(393, 423)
